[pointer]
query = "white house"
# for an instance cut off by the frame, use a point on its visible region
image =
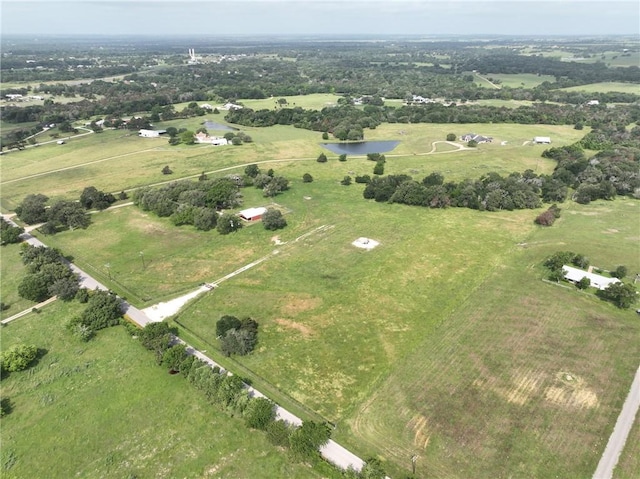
(252, 214)
(231, 106)
(477, 138)
(212, 140)
(542, 140)
(575, 275)
(151, 133)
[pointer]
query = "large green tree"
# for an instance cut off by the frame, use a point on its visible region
(306, 440)
(32, 209)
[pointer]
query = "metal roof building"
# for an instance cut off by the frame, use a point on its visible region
(574, 275)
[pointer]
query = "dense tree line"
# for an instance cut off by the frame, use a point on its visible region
(9, 233)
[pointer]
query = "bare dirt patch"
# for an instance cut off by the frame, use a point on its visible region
(294, 305)
(571, 391)
(301, 328)
(419, 425)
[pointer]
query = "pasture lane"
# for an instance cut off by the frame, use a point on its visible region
(332, 451)
(27, 311)
(620, 432)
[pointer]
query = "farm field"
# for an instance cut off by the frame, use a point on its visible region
(83, 411)
(315, 101)
(519, 80)
(605, 87)
(116, 160)
(491, 382)
(452, 299)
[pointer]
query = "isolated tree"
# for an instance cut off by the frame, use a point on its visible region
(472, 143)
(273, 220)
(620, 272)
(325, 135)
(18, 357)
(346, 181)
(228, 223)
(322, 158)
(166, 170)
(342, 157)
(451, 137)
(378, 169)
(307, 178)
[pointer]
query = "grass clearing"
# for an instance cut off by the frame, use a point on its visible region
(516, 80)
(315, 101)
(629, 463)
(606, 87)
(96, 414)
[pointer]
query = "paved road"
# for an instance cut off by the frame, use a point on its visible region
(620, 432)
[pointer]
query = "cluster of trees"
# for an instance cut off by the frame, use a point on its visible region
(9, 233)
(48, 274)
(104, 309)
(621, 294)
(613, 171)
(63, 214)
(229, 393)
(189, 202)
(269, 182)
(237, 336)
(491, 192)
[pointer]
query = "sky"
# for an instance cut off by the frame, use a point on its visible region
(313, 17)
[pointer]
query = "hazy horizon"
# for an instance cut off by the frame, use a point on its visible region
(287, 18)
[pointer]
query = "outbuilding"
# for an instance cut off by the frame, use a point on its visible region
(151, 133)
(252, 214)
(574, 275)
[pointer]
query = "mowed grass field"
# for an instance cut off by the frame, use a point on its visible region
(443, 341)
(629, 463)
(516, 80)
(11, 273)
(103, 409)
(119, 160)
(605, 87)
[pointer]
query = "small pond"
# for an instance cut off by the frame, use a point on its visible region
(361, 147)
(212, 125)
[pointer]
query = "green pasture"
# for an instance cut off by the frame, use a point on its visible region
(315, 101)
(523, 378)
(11, 273)
(103, 409)
(516, 80)
(605, 87)
(117, 160)
(629, 462)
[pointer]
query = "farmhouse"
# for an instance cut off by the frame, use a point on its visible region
(151, 133)
(477, 138)
(231, 106)
(575, 275)
(212, 140)
(542, 140)
(252, 214)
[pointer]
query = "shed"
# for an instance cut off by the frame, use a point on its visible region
(575, 275)
(252, 214)
(542, 140)
(151, 133)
